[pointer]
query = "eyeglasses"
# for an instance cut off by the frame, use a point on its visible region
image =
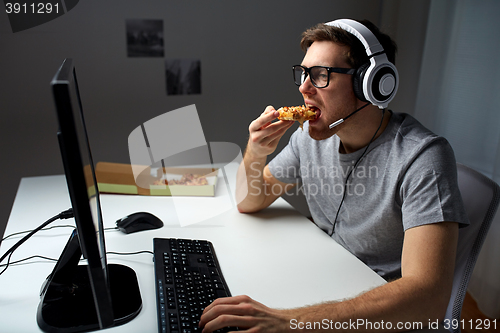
(320, 75)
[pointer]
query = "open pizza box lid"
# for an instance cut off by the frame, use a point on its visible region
(119, 178)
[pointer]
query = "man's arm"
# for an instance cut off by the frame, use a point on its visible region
(256, 188)
(421, 295)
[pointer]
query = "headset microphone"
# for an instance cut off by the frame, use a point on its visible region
(340, 121)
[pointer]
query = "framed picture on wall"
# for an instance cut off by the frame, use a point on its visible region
(144, 38)
(183, 76)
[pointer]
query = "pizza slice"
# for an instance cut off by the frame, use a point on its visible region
(296, 113)
(187, 179)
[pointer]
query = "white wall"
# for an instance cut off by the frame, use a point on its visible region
(246, 50)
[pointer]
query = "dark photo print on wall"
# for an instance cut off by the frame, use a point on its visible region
(144, 38)
(183, 76)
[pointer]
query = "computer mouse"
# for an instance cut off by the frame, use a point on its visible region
(138, 222)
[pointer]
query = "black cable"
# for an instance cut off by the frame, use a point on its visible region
(63, 215)
(52, 259)
(44, 229)
(49, 228)
(130, 253)
(7, 264)
(352, 170)
(24, 259)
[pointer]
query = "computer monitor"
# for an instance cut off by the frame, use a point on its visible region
(97, 295)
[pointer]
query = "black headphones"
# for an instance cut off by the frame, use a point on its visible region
(376, 81)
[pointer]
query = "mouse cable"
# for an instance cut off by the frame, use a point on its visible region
(130, 253)
(44, 229)
(24, 232)
(25, 259)
(9, 263)
(63, 215)
(53, 259)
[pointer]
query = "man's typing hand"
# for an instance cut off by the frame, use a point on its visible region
(246, 314)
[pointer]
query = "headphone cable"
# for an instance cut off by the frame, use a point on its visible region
(352, 170)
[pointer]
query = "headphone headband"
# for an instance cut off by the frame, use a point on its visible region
(370, 42)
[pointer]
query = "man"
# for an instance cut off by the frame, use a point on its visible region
(379, 183)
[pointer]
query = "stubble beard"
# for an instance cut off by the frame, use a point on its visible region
(324, 131)
(321, 134)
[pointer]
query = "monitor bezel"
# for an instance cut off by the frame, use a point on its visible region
(65, 80)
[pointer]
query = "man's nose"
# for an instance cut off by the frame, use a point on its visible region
(307, 87)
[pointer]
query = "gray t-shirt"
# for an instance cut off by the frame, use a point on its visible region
(407, 178)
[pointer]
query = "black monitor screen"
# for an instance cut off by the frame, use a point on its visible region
(74, 131)
(73, 290)
(80, 176)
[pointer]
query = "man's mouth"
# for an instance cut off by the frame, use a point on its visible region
(317, 111)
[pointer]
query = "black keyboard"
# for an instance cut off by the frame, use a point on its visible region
(188, 279)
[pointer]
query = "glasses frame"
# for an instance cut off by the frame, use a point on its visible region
(330, 70)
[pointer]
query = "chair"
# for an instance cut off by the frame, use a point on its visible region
(481, 197)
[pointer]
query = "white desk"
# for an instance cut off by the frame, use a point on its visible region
(272, 256)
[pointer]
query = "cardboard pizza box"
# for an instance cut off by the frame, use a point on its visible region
(119, 178)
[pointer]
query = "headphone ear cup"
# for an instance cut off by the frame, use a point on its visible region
(357, 81)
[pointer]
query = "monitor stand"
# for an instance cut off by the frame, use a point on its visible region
(67, 300)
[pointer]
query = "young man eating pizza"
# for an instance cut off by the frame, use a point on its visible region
(401, 219)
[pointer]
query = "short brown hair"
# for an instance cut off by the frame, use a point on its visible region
(357, 54)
